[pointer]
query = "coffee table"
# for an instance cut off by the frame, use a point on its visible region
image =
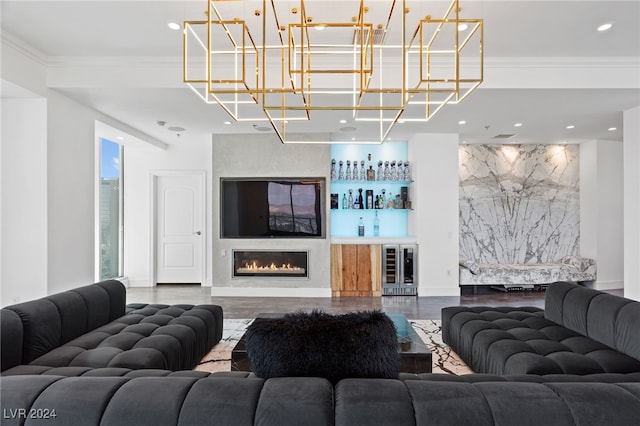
(415, 356)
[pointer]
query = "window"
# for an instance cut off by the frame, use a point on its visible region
(110, 206)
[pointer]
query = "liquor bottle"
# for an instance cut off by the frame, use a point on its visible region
(360, 199)
(380, 171)
(345, 203)
(369, 198)
(355, 170)
(333, 169)
(363, 171)
(371, 174)
(376, 226)
(391, 201)
(348, 172)
(350, 198)
(383, 199)
(341, 170)
(361, 228)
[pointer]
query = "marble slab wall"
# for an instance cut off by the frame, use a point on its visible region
(519, 203)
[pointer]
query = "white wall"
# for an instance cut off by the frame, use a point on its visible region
(601, 210)
(139, 163)
(435, 223)
(71, 187)
(63, 184)
(24, 200)
(631, 137)
(262, 155)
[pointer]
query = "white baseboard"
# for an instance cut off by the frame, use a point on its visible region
(438, 291)
(608, 285)
(270, 292)
(139, 283)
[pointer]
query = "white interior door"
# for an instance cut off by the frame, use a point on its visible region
(179, 229)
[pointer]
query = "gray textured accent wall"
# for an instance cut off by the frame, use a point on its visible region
(519, 203)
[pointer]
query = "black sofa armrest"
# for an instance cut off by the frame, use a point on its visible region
(11, 333)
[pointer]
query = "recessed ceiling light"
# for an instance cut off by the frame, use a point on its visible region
(227, 122)
(401, 121)
(462, 122)
(353, 139)
(320, 27)
(176, 129)
(611, 129)
(605, 27)
(343, 121)
(462, 27)
(517, 125)
(571, 126)
(120, 138)
(173, 26)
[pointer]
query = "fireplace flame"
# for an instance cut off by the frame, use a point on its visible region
(254, 266)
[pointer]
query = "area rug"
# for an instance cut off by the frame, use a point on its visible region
(444, 359)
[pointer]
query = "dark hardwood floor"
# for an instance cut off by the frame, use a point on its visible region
(421, 307)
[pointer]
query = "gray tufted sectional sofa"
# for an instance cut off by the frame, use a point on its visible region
(90, 327)
(191, 398)
(581, 331)
(126, 395)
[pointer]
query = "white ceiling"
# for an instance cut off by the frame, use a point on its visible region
(126, 63)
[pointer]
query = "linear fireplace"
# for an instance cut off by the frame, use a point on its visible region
(270, 263)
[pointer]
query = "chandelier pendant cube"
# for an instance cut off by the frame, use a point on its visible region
(384, 60)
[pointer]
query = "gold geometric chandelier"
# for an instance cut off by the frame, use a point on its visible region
(291, 62)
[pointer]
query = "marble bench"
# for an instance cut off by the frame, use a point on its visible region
(526, 276)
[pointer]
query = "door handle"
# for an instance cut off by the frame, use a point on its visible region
(197, 232)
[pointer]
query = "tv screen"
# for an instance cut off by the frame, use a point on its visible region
(272, 208)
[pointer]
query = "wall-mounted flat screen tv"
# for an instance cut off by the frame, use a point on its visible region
(272, 208)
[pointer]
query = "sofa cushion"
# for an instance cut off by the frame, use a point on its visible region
(317, 344)
(227, 401)
(375, 402)
(74, 315)
(98, 304)
(166, 396)
(295, 401)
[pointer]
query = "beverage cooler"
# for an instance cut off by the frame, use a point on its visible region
(400, 270)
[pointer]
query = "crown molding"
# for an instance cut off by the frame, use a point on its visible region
(489, 62)
(564, 62)
(114, 61)
(12, 42)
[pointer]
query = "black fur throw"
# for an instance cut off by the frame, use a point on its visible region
(317, 344)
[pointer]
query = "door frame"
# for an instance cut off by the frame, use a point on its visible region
(153, 219)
